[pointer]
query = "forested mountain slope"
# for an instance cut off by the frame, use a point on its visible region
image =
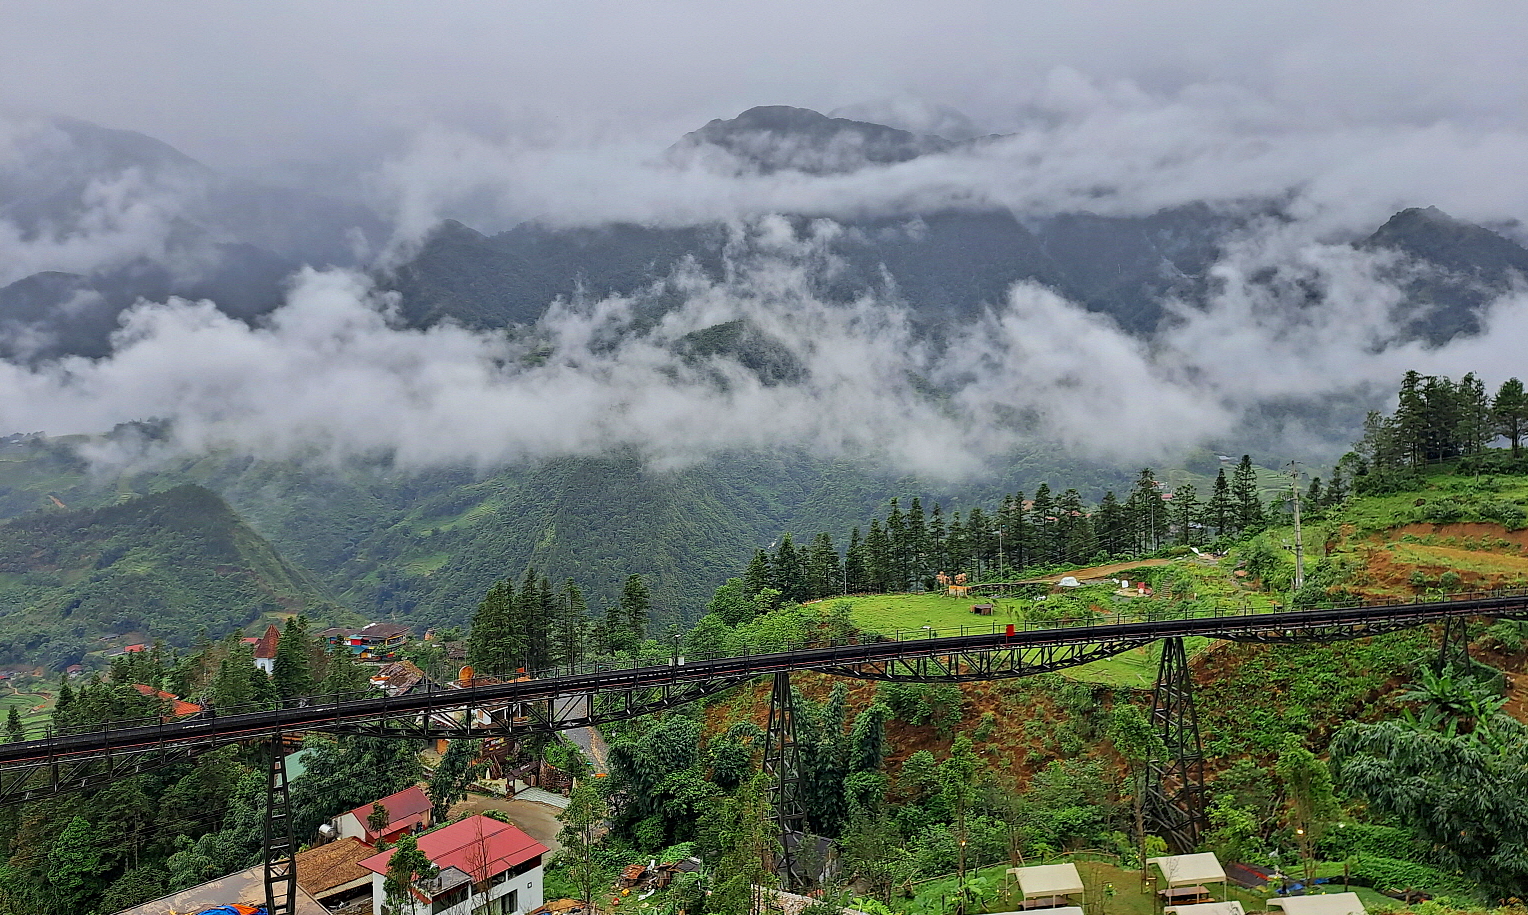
(424, 546)
(169, 566)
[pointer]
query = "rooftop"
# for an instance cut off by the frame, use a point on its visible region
(402, 809)
(477, 846)
(246, 886)
(265, 648)
(336, 864)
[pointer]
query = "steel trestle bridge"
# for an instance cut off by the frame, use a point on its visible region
(555, 700)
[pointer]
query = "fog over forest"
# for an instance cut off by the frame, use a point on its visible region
(333, 142)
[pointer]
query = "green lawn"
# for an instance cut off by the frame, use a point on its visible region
(945, 616)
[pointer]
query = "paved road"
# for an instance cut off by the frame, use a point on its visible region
(593, 745)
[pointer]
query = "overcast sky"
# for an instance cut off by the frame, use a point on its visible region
(241, 85)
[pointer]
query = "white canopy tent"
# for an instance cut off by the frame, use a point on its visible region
(1048, 880)
(1188, 870)
(1206, 908)
(1329, 904)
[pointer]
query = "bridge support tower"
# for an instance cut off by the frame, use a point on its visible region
(1175, 775)
(782, 770)
(1454, 649)
(280, 845)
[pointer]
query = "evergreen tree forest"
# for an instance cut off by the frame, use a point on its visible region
(910, 547)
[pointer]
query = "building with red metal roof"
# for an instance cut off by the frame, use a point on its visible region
(485, 866)
(407, 811)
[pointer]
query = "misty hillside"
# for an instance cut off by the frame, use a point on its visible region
(164, 566)
(112, 216)
(424, 546)
(947, 264)
(1465, 265)
(776, 137)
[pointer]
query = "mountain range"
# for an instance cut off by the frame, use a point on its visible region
(422, 546)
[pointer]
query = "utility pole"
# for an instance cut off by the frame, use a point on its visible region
(1294, 488)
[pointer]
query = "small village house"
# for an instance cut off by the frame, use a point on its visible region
(485, 866)
(265, 650)
(407, 811)
(373, 642)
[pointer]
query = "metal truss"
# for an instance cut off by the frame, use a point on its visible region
(1175, 775)
(1454, 647)
(71, 760)
(280, 844)
(1000, 663)
(543, 716)
(782, 770)
(47, 778)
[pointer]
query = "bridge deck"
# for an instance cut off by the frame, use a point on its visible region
(895, 658)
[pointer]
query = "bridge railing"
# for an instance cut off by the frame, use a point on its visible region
(676, 659)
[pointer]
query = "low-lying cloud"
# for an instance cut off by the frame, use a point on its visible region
(332, 376)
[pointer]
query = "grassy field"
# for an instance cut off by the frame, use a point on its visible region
(25, 703)
(946, 616)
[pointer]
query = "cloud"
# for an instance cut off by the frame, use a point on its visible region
(1086, 145)
(333, 377)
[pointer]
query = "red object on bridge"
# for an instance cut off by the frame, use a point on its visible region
(1010, 630)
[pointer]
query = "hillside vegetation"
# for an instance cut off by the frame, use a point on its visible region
(166, 566)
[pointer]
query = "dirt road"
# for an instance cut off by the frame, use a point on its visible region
(539, 821)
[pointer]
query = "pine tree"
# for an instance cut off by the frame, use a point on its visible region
(759, 575)
(573, 625)
(65, 695)
(1244, 496)
(1509, 412)
(824, 573)
(1111, 527)
(856, 572)
(1042, 527)
(1315, 496)
(1475, 423)
(790, 572)
(533, 616)
(1186, 514)
(878, 556)
(636, 605)
(233, 686)
(938, 558)
(1072, 535)
(291, 675)
(494, 648)
(343, 676)
(1336, 490)
(957, 546)
(1219, 512)
(1410, 420)
(917, 544)
(14, 730)
(1147, 513)
(899, 549)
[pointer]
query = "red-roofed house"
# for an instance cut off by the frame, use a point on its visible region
(179, 708)
(485, 866)
(265, 649)
(406, 810)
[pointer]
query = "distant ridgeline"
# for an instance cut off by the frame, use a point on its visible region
(166, 566)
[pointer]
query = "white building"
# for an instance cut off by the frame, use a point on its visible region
(481, 860)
